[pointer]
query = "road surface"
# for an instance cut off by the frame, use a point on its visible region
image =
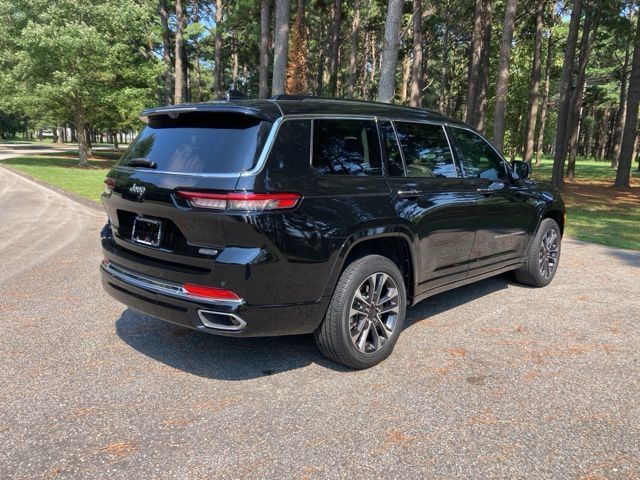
(490, 380)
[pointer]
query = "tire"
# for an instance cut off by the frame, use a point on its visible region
(535, 271)
(380, 326)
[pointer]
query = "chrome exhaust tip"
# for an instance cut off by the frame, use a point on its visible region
(221, 320)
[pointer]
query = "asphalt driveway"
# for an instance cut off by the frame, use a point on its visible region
(493, 380)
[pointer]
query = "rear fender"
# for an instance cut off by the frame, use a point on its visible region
(368, 234)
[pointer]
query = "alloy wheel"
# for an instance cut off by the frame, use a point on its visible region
(374, 313)
(549, 252)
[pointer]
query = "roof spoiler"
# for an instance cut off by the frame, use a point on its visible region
(173, 111)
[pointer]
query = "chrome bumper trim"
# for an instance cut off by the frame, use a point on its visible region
(162, 287)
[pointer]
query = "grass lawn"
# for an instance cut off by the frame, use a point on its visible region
(64, 173)
(596, 212)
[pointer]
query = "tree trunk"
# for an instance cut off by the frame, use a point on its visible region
(234, 63)
(444, 103)
(387, 85)
(627, 148)
(364, 80)
(622, 104)
(265, 21)
(81, 131)
(502, 84)
(534, 86)
(281, 49)
(483, 71)
(321, 58)
(547, 88)
(406, 74)
(474, 63)
(89, 142)
(353, 57)
(374, 68)
(416, 68)
(557, 175)
(196, 55)
(218, 87)
(167, 80)
(589, 32)
(297, 68)
(178, 93)
(334, 48)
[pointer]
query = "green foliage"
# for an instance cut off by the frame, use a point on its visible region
(71, 53)
(64, 173)
(595, 211)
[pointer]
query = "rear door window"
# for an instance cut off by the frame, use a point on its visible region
(479, 159)
(346, 147)
(211, 143)
(426, 150)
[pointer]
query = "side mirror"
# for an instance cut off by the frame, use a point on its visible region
(520, 169)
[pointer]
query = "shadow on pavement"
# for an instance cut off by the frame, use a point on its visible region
(212, 356)
(629, 257)
(454, 298)
(233, 359)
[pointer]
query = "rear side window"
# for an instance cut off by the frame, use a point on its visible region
(200, 143)
(346, 147)
(479, 159)
(426, 150)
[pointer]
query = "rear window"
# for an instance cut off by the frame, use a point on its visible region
(200, 143)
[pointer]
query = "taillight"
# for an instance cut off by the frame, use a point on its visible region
(253, 202)
(109, 184)
(211, 293)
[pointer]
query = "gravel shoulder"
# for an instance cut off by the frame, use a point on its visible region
(492, 380)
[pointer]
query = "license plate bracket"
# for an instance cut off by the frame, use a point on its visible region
(147, 231)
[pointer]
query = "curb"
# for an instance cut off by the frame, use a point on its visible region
(72, 196)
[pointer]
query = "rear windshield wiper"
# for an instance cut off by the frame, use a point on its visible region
(141, 162)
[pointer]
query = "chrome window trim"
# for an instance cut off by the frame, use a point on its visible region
(162, 287)
(459, 165)
(505, 164)
(275, 128)
(404, 163)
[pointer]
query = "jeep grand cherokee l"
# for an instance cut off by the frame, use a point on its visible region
(298, 215)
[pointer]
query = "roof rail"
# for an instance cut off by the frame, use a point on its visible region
(284, 96)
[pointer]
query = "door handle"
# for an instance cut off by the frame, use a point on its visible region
(410, 193)
(491, 189)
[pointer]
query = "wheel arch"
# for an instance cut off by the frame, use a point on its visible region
(391, 242)
(557, 215)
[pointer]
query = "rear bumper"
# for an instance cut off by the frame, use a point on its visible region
(165, 301)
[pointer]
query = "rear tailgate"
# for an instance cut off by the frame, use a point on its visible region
(193, 151)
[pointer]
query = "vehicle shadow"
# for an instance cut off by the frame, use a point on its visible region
(629, 257)
(235, 359)
(217, 357)
(454, 298)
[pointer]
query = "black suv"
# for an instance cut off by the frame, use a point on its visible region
(302, 215)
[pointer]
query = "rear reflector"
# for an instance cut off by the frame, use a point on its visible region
(210, 293)
(253, 202)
